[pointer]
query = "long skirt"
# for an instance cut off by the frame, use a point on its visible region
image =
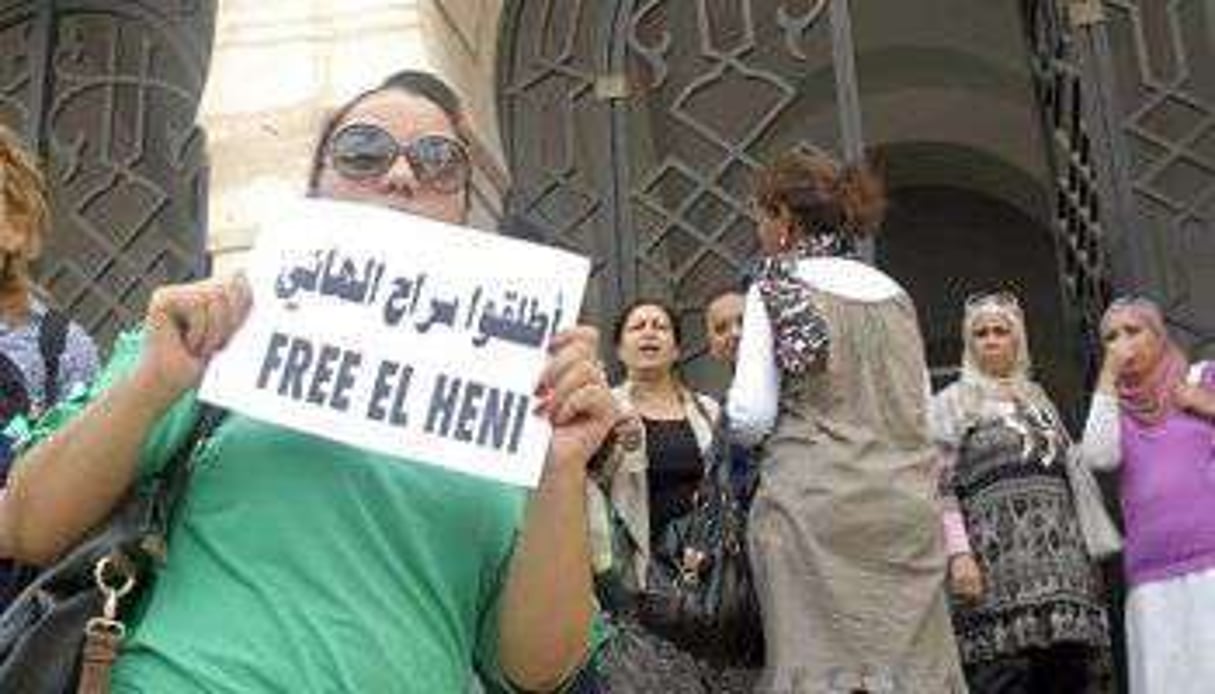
(1170, 636)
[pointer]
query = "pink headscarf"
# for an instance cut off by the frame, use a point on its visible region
(1149, 399)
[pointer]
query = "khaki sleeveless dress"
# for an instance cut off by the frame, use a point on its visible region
(845, 532)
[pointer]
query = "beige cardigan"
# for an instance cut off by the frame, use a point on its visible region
(624, 481)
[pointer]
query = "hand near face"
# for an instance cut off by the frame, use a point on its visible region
(1116, 355)
(574, 395)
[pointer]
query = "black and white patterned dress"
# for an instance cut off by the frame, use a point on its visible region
(1010, 482)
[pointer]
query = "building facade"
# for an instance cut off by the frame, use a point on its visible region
(1064, 149)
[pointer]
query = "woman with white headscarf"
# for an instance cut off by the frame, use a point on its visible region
(1153, 418)
(1027, 611)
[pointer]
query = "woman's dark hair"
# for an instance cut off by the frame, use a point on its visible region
(623, 319)
(822, 196)
(415, 82)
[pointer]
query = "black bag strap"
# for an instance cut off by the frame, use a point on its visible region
(717, 433)
(715, 494)
(135, 534)
(718, 462)
(52, 338)
(14, 396)
(170, 484)
(723, 460)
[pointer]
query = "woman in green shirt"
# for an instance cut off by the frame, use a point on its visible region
(299, 564)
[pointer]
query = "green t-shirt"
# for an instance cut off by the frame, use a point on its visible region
(297, 564)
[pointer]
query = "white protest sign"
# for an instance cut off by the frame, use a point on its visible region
(401, 335)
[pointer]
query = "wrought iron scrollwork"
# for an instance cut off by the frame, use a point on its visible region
(1079, 223)
(662, 180)
(796, 25)
(653, 53)
(109, 97)
(1130, 113)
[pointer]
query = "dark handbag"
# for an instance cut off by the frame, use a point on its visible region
(699, 591)
(63, 630)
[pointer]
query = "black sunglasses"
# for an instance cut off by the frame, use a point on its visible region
(361, 151)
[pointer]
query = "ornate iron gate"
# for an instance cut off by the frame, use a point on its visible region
(1161, 56)
(107, 92)
(1081, 224)
(632, 128)
(1129, 98)
(638, 148)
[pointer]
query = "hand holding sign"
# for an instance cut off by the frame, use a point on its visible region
(184, 327)
(575, 396)
(409, 337)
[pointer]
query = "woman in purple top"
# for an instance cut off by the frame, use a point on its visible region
(1154, 415)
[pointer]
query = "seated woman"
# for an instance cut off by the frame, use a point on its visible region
(1027, 612)
(1153, 419)
(299, 564)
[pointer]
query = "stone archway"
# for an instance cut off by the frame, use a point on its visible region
(945, 243)
(963, 220)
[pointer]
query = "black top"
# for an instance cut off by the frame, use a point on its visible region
(675, 470)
